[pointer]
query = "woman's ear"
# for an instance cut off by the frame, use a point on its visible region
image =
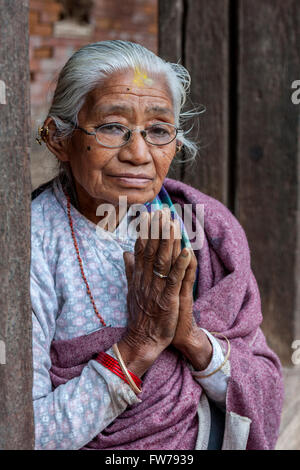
(178, 145)
(56, 145)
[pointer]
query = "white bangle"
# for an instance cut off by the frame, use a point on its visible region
(225, 359)
(124, 369)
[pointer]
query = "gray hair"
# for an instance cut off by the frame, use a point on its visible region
(94, 62)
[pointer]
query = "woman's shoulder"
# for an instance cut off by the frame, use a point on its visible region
(183, 193)
(41, 188)
(219, 221)
(44, 208)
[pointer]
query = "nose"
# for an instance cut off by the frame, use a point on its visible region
(136, 151)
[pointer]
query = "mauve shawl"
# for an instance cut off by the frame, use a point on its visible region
(227, 301)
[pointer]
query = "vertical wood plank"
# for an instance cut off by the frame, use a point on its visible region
(170, 29)
(16, 415)
(170, 41)
(267, 197)
(207, 59)
(196, 32)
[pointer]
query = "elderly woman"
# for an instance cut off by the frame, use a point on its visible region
(124, 355)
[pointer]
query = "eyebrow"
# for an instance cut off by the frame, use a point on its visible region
(117, 108)
(114, 108)
(158, 109)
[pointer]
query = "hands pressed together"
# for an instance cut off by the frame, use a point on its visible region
(161, 309)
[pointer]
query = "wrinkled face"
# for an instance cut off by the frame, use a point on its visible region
(103, 174)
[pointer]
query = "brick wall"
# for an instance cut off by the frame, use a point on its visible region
(133, 20)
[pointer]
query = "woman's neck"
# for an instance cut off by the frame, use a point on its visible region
(89, 207)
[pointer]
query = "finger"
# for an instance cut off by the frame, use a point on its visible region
(129, 265)
(189, 277)
(151, 247)
(140, 245)
(177, 273)
(163, 260)
(144, 226)
(177, 241)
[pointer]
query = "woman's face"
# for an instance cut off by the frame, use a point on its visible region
(97, 170)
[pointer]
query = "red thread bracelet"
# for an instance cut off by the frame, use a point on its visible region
(110, 363)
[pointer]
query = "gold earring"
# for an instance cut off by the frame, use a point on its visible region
(43, 132)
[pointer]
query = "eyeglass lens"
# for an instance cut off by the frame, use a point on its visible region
(116, 135)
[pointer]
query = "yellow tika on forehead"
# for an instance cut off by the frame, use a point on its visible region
(140, 78)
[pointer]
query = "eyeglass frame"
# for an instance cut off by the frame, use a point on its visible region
(141, 131)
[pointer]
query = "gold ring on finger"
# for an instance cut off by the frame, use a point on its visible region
(162, 276)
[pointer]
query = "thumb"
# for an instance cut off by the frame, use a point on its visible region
(129, 265)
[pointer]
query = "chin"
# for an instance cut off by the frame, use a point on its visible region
(138, 199)
(138, 196)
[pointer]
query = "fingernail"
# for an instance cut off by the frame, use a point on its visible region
(184, 252)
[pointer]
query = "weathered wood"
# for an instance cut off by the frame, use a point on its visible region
(207, 59)
(267, 197)
(196, 32)
(171, 29)
(170, 40)
(16, 415)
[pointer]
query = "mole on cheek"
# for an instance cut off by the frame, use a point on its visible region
(88, 147)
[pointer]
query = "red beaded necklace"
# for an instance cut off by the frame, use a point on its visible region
(80, 261)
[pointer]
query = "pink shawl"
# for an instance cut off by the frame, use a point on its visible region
(228, 301)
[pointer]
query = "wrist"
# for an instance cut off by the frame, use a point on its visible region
(137, 358)
(197, 349)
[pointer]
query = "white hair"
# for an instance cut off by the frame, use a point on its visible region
(93, 63)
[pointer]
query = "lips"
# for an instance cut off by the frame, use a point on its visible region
(133, 180)
(131, 175)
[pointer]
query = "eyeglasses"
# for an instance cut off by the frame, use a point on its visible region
(114, 134)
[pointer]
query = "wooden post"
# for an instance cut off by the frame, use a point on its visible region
(268, 179)
(243, 57)
(195, 32)
(170, 42)
(16, 414)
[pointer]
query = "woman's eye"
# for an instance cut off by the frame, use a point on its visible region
(111, 129)
(159, 131)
